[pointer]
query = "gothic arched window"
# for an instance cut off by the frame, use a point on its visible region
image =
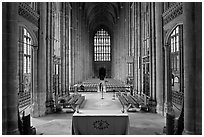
(102, 51)
(175, 41)
(25, 64)
(27, 43)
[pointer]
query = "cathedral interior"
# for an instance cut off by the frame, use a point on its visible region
(102, 68)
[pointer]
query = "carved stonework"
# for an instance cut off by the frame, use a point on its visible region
(177, 97)
(146, 59)
(100, 124)
(166, 32)
(36, 33)
(28, 13)
(172, 12)
(27, 82)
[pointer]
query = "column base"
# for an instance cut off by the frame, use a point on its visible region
(37, 110)
(49, 106)
(185, 132)
(159, 109)
(152, 106)
(49, 110)
(13, 132)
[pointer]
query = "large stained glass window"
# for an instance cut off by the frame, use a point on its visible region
(102, 46)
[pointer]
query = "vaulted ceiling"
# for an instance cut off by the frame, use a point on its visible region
(101, 14)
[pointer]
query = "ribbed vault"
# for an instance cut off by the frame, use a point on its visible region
(101, 14)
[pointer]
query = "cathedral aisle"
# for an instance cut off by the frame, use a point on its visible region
(60, 124)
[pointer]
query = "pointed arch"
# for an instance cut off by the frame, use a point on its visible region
(102, 45)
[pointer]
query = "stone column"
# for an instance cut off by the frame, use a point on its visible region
(192, 68)
(20, 59)
(136, 67)
(34, 106)
(69, 48)
(63, 51)
(67, 39)
(48, 40)
(73, 32)
(150, 54)
(159, 58)
(153, 51)
(40, 94)
(139, 50)
(142, 33)
(169, 112)
(9, 68)
(52, 33)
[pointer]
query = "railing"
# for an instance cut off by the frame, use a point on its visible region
(118, 88)
(24, 99)
(177, 97)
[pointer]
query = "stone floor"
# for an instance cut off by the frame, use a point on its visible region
(141, 123)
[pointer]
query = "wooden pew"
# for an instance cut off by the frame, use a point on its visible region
(73, 100)
(123, 102)
(63, 100)
(70, 101)
(79, 102)
(131, 104)
(140, 101)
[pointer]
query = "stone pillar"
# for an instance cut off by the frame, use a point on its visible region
(52, 33)
(136, 67)
(142, 33)
(169, 112)
(159, 58)
(67, 39)
(34, 105)
(149, 41)
(139, 50)
(9, 68)
(153, 51)
(40, 94)
(69, 48)
(73, 32)
(20, 59)
(192, 68)
(63, 51)
(48, 40)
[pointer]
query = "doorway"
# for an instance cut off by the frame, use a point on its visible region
(102, 73)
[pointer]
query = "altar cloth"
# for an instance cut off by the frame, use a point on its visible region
(100, 124)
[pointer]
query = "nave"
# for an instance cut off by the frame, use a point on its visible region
(146, 55)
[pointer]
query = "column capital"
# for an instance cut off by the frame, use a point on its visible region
(13, 132)
(166, 45)
(35, 48)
